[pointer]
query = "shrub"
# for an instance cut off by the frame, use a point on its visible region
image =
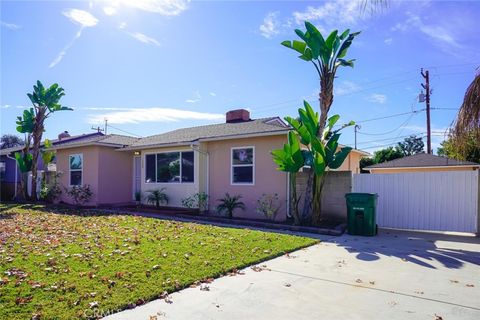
(268, 205)
(198, 200)
(157, 197)
(51, 191)
(80, 194)
(229, 203)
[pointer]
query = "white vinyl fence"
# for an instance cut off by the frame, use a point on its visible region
(437, 201)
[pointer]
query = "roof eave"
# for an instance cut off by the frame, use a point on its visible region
(424, 167)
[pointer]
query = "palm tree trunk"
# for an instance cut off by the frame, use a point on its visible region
(293, 186)
(316, 182)
(37, 138)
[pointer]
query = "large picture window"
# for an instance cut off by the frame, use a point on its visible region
(169, 167)
(243, 165)
(76, 169)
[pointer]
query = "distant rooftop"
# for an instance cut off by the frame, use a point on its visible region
(422, 160)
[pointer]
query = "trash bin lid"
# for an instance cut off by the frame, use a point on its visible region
(361, 195)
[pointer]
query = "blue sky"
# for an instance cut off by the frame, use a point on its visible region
(153, 66)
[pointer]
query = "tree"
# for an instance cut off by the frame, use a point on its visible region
(10, 141)
(326, 55)
(321, 151)
(387, 154)
(469, 151)
(32, 123)
(411, 145)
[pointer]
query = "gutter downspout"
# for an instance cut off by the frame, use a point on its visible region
(16, 175)
(207, 187)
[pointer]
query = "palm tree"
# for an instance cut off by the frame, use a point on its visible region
(45, 102)
(157, 197)
(466, 127)
(229, 204)
(327, 55)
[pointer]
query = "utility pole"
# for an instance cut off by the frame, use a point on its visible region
(106, 125)
(356, 128)
(426, 86)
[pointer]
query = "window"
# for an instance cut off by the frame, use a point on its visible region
(169, 167)
(76, 169)
(243, 165)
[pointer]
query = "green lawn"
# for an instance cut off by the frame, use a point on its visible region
(66, 266)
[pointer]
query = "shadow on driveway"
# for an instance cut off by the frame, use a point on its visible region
(423, 249)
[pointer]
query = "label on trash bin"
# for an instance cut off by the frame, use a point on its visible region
(356, 208)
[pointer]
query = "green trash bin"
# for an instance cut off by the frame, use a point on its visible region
(361, 213)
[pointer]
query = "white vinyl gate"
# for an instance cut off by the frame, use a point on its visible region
(437, 201)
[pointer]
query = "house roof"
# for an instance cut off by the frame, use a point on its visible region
(422, 160)
(77, 138)
(113, 140)
(264, 126)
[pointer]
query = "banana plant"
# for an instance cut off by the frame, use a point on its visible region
(290, 159)
(327, 55)
(45, 101)
(322, 152)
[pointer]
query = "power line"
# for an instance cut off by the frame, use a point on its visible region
(130, 133)
(387, 139)
(388, 132)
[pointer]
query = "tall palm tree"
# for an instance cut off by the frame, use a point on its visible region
(467, 124)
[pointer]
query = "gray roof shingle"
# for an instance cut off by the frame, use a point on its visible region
(421, 160)
(187, 135)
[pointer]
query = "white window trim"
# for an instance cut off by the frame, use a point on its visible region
(172, 151)
(70, 170)
(242, 165)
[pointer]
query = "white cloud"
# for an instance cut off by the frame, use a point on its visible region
(346, 87)
(197, 97)
(122, 25)
(5, 106)
(213, 94)
(144, 38)
(270, 25)
(388, 41)
(443, 33)
(163, 7)
(81, 17)
(10, 26)
(341, 12)
(141, 115)
(109, 11)
(377, 98)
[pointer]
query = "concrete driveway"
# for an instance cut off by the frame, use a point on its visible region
(396, 275)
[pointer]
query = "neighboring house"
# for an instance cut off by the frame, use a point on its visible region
(422, 162)
(10, 174)
(233, 157)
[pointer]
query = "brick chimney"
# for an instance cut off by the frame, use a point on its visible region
(63, 135)
(239, 115)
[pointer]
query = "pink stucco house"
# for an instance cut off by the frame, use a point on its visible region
(231, 157)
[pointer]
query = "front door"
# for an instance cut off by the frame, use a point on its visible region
(137, 172)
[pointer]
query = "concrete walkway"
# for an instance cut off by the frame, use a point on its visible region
(396, 275)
